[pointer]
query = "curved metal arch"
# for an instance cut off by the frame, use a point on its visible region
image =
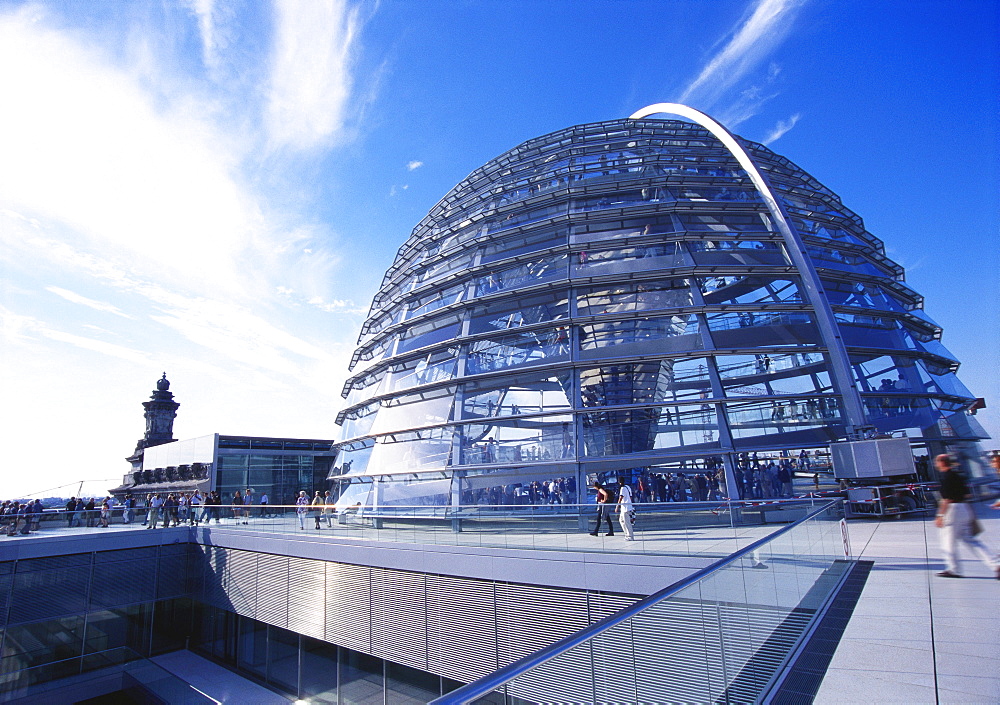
(840, 367)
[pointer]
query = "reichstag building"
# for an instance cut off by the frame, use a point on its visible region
(634, 295)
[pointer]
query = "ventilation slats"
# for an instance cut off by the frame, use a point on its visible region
(306, 597)
(272, 589)
(461, 627)
(348, 606)
(399, 617)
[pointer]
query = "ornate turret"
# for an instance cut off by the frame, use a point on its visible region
(161, 410)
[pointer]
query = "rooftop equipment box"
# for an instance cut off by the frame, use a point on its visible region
(883, 457)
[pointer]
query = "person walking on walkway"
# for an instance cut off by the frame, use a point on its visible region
(302, 508)
(603, 510)
(317, 504)
(956, 518)
(625, 509)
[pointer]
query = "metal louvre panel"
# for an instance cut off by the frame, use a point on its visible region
(530, 617)
(6, 583)
(125, 554)
(306, 593)
(213, 568)
(240, 581)
(73, 560)
(272, 589)
(175, 570)
(461, 627)
(45, 594)
(570, 678)
(604, 603)
(399, 617)
(348, 606)
(122, 583)
(678, 647)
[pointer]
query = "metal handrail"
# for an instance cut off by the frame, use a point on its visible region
(489, 683)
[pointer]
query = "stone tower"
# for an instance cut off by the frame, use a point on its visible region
(161, 410)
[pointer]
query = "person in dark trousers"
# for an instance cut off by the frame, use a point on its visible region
(605, 506)
(956, 518)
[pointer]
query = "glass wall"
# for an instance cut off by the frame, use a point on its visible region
(308, 668)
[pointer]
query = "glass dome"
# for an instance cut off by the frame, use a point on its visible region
(618, 297)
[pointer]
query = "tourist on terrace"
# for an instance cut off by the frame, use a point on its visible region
(957, 520)
(302, 508)
(603, 510)
(625, 509)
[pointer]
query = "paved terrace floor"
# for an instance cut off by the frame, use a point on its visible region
(915, 637)
(674, 531)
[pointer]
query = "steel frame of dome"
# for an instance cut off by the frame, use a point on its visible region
(631, 294)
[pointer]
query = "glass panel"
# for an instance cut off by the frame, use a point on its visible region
(737, 253)
(644, 383)
(252, 653)
(861, 295)
(408, 686)
(319, 671)
(521, 275)
(361, 679)
(283, 659)
(428, 449)
(27, 645)
(719, 222)
(434, 300)
(591, 231)
(520, 394)
(643, 430)
(844, 261)
(772, 328)
(430, 332)
(125, 626)
(521, 244)
(519, 312)
(749, 290)
(641, 336)
(529, 347)
(436, 366)
(519, 439)
(414, 410)
(777, 374)
(816, 416)
(626, 298)
(589, 263)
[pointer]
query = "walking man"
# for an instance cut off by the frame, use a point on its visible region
(956, 519)
(625, 509)
(603, 510)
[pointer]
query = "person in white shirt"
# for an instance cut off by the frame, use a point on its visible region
(195, 502)
(625, 509)
(154, 511)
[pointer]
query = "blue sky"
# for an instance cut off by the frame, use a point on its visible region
(214, 188)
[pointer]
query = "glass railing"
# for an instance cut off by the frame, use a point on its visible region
(721, 635)
(120, 671)
(690, 528)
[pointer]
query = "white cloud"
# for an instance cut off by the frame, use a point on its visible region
(204, 11)
(763, 30)
(82, 144)
(411, 166)
(75, 298)
(20, 329)
(311, 80)
(781, 128)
